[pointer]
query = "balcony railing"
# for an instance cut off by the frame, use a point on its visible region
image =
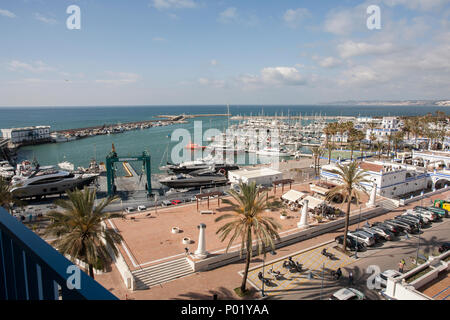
(31, 269)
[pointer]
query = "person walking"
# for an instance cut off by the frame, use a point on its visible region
(350, 278)
(187, 251)
(401, 265)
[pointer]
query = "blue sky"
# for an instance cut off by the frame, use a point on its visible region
(216, 52)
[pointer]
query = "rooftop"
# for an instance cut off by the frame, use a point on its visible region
(256, 172)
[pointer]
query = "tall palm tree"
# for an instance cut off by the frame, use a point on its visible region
(372, 138)
(317, 152)
(397, 139)
(7, 200)
(329, 146)
(379, 145)
(248, 223)
(352, 178)
(79, 229)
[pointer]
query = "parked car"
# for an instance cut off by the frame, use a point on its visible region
(176, 202)
(430, 215)
(445, 247)
(439, 211)
(351, 243)
(166, 203)
(423, 220)
(381, 278)
(387, 226)
(375, 235)
(413, 224)
(364, 237)
(416, 220)
(142, 208)
(347, 294)
(381, 232)
(399, 224)
(130, 209)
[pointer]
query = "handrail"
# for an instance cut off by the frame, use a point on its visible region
(31, 269)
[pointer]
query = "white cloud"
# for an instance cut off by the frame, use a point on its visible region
(212, 82)
(330, 62)
(119, 78)
(346, 21)
(173, 4)
(351, 49)
(214, 62)
(7, 13)
(279, 76)
(44, 19)
(228, 15)
(36, 67)
(293, 18)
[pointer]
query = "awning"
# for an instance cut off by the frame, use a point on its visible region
(293, 195)
(312, 202)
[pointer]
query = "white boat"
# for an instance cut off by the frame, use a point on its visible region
(50, 181)
(280, 152)
(66, 165)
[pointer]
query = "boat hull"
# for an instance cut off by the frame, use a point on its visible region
(59, 187)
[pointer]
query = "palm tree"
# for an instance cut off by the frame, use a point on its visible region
(397, 138)
(317, 153)
(248, 222)
(379, 146)
(352, 177)
(79, 228)
(330, 146)
(372, 138)
(7, 200)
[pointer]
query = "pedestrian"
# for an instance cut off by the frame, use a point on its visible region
(350, 278)
(401, 265)
(186, 250)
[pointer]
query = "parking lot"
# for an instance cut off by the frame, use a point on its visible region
(385, 255)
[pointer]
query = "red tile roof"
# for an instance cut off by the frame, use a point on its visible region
(371, 166)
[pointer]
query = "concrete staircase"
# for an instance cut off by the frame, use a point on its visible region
(388, 205)
(160, 273)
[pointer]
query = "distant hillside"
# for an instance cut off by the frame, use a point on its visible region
(432, 103)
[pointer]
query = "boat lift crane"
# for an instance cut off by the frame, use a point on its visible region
(112, 158)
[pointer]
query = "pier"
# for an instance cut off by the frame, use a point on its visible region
(191, 116)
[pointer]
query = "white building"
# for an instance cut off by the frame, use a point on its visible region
(389, 126)
(392, 179)
(27, 134)
(261, 176)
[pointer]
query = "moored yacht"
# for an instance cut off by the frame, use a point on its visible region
(47, 182)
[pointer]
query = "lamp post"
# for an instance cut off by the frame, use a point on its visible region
(418, 235)
(359, 221)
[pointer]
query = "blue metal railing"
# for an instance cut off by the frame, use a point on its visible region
(31, 269)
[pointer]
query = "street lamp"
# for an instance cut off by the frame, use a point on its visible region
(359, 221)
(418, 235)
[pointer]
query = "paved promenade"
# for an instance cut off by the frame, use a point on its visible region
(222, 281)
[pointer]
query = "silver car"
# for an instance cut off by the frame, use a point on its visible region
(363, 237)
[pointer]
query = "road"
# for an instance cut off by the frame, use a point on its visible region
(384, 256)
